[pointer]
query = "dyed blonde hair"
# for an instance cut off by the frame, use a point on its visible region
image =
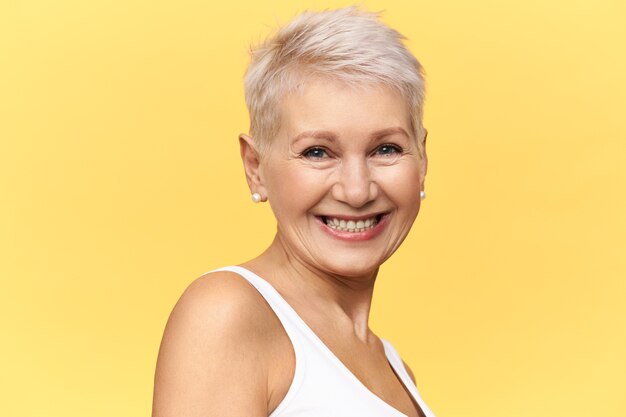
(348, 45)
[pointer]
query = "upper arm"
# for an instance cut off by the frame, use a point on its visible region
(211, 360)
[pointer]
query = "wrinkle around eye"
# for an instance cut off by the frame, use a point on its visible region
(397, 150)
(395, 154)
(308, 153)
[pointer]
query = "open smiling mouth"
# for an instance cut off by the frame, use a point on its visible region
(352, 225)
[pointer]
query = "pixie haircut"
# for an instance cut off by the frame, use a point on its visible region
(347, 45)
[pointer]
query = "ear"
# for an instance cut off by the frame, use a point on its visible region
(251, 161)
(424, 161)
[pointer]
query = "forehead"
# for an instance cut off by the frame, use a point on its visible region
(346, 109)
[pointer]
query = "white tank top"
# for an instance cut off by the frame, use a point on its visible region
(322, 385)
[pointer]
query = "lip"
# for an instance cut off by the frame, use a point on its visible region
(355, 236)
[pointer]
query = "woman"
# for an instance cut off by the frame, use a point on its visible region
(336, 147)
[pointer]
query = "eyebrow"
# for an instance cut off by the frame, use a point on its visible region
(332, 137)
(316, 134)
(388, 132)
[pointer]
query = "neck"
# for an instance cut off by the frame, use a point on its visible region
(334, 297)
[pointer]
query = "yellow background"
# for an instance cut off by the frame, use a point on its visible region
(120, 182)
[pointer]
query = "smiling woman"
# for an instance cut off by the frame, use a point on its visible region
(337, 148)
(361, 165)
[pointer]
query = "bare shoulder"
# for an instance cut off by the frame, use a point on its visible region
(211, 360)
(223, 296)
(221, 307)
(409, 371)
(406, 366)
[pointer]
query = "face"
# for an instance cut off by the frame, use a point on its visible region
(343, 176)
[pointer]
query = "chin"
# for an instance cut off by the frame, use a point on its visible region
(347, 267)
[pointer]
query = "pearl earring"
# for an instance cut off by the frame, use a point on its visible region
(256, 197)
(422, 195)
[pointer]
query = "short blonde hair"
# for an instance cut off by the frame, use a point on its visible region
(349, 45)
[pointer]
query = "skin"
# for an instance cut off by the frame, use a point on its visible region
(343, 152)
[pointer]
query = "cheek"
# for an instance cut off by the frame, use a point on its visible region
(293, 189)
(402, 183)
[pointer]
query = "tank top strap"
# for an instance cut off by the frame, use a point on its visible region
(398, 366)
(328, 386)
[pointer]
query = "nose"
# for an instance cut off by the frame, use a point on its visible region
(354, 185)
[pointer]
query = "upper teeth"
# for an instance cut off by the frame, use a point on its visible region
(351, 225)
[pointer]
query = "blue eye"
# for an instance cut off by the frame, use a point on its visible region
(388, 150)
(314, 153)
